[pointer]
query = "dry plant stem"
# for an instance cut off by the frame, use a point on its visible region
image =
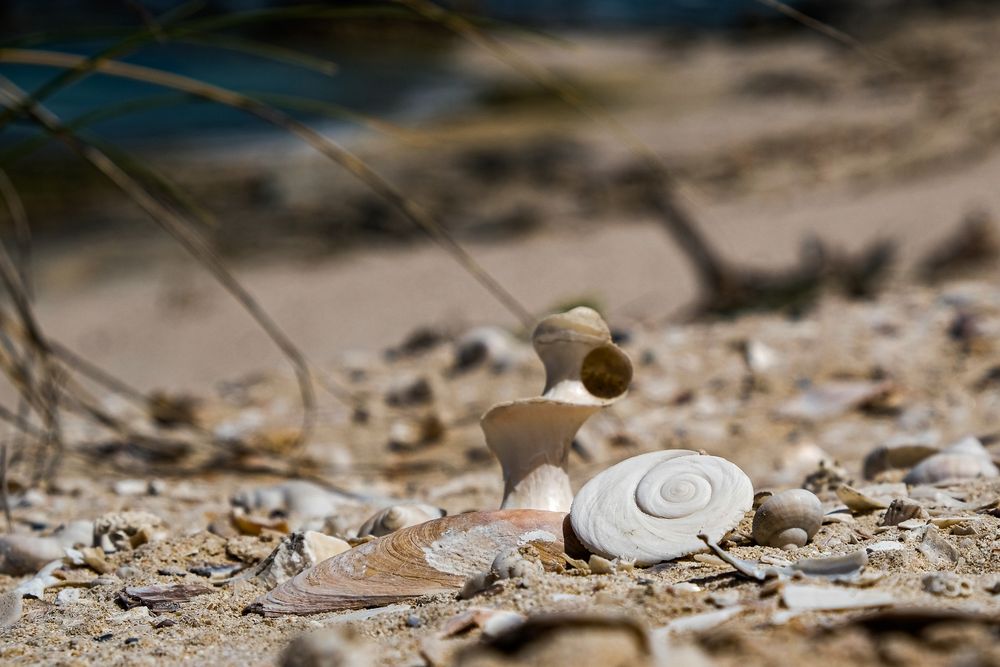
(4, 493)
(184, 234)
(47, 393)
(678, 222)
(833, 33)
(22, 229)
(315, 139)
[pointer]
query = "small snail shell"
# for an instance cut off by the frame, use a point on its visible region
(395, 517)
(789, 518)
(966, 459)
(651, 507)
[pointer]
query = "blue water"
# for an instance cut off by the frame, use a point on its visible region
(403, 87)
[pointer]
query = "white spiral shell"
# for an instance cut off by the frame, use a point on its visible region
(651, 507)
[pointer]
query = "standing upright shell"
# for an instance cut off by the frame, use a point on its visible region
(430, 558)
(652, 507)
(789, 518)
(584, 371)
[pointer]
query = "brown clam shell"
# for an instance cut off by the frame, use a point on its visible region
(427, 559)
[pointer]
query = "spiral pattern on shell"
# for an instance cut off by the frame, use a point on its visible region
(651, 507)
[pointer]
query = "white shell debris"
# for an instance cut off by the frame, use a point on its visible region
(119, 531)
(297, 552)
(806, 597)
(700, 622)
(25, 554)
(830, 399)
(484, 345)
(395, 517)
(297, 497)
(938, 551)
(651, 508)
(966, 459)
(947, 584)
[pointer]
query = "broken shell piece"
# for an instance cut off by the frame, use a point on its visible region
(584, 371)
(491, 621)
(857, 501)
(890, 457)
(296, 497)
(297, 552)
(833, 568)
(395, 517)
(509, 564)
(966, 459)
(10, 608)
(35, 587)
(160, 598)
(902, 509)
(936, 549)
(789, 518)
(489, 345)
(122, 531)
(834, 398)
(427, 559)
(26, 554)
(946, 584)
(650, 508)
(804, 597)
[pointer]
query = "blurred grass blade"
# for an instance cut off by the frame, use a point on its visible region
(184, 233)
(263, 50)
(312, 137)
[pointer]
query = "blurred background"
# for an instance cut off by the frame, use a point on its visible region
(525, 128)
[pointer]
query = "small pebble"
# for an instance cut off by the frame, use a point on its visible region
(413, 621)
(131, 640)
(164, 623)
(103, 638)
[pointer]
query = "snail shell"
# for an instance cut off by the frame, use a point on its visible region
(966, 459)
(788, 518)
(651, 507)
(430, 558)
(395, 517)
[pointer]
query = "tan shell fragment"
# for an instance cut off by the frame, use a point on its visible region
(857, 501)
(395, 517)
(903, 509)
(789, 518)
(431, 558)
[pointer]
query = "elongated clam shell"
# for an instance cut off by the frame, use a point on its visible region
(652, 507)
(427, 559)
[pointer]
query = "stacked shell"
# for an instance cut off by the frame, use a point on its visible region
(531, 437)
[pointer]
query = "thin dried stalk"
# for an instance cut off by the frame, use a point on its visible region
(184, 233)
(312, 137)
